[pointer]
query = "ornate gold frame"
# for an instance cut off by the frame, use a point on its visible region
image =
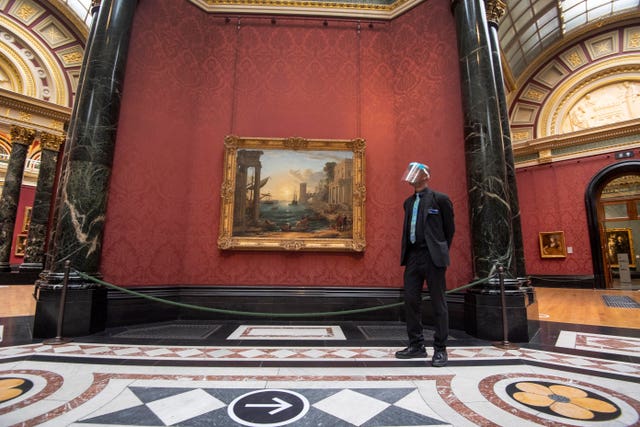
(625, 235)
(552, 244)
(26, 220)
(344, 229)
(21, 243)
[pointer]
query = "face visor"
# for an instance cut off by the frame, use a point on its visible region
(416, 172)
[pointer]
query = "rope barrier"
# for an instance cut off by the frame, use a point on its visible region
(260, 314)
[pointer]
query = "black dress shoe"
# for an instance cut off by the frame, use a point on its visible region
(411, 353)
(439, 359)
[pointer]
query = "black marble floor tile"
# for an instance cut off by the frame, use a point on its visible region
(16, 330)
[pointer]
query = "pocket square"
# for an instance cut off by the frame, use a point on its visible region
(433, 211)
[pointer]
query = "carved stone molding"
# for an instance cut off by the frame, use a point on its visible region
(496, 9)
(21, 135)
(618, 136)
(51, 142)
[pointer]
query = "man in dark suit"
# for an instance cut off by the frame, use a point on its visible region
(426, 237)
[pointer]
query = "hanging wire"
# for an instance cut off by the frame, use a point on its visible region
(234, 99)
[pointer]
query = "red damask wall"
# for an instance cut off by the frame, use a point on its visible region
(552, 198)
(192, 79)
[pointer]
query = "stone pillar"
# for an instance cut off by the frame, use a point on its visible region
(490, 208)
(84, 181)
(487, 177)
(21, 139)
(95, 7)
(495, 11)
(34, 251)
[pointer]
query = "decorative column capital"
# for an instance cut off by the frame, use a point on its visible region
(51, 142)
(20, 135)
(495, 10)
(95, 6)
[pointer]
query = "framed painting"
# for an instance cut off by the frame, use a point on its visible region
(619, 241)
(21, 243)
(26, 220)
(293, 194)
(552, 244)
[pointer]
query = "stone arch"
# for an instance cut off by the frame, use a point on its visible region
(592, 196)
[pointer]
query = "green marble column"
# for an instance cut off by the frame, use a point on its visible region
(495, 11)
(21, 139)
(34, 251)
(84, 182)
(490, 208)
(95, 8)
(490, 194)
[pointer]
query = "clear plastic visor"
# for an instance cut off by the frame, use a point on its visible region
(415, 172)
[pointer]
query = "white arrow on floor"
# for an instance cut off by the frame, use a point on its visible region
(280, 405)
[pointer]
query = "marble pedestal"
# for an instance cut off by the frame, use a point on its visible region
(483, 314)
(85, 312)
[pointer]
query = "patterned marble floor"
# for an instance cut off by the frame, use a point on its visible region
(314, 376)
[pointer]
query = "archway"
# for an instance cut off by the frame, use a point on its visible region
(595, 218)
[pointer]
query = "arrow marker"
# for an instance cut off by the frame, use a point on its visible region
(279, 406)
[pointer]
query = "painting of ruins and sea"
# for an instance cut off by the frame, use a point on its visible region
(293, 194)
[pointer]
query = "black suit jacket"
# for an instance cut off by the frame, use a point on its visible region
(436, 214)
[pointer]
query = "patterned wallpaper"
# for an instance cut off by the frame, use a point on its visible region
(193, 78)
(552, 198)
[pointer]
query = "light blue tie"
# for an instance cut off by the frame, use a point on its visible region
(414, 218)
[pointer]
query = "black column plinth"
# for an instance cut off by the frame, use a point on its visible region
(85, 312)
(483, 314)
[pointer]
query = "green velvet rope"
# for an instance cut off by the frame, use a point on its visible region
(260, 314)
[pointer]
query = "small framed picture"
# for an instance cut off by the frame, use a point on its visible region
(26, 221)
(619, 241)
(552, 244)
(21, 243)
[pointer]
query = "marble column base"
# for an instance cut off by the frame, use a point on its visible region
(483, 315)
(85, 312)
(30, 266)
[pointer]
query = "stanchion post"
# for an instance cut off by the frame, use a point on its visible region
(505, 322)
(63, 300)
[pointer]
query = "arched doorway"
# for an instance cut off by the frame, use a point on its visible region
(613, 214)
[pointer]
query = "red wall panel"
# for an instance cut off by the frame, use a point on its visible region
(552, 198)
(192, 79)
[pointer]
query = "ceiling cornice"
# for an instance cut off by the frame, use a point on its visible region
(374, 9)
(56, 115)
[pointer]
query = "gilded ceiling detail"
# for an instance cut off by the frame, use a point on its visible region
(40, 51)
(591, 83)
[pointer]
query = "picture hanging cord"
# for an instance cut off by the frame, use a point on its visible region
(325, 23)
(359, 85)
(234, 98)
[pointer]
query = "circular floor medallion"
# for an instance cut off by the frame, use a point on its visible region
(567, 401)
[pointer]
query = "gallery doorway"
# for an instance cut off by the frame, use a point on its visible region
(613, 212)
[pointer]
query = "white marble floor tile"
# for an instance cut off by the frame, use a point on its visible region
(351, 406)
(498, 416)
(176, 409)
(287, 332)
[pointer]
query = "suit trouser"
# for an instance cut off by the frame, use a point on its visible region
(418, 269)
